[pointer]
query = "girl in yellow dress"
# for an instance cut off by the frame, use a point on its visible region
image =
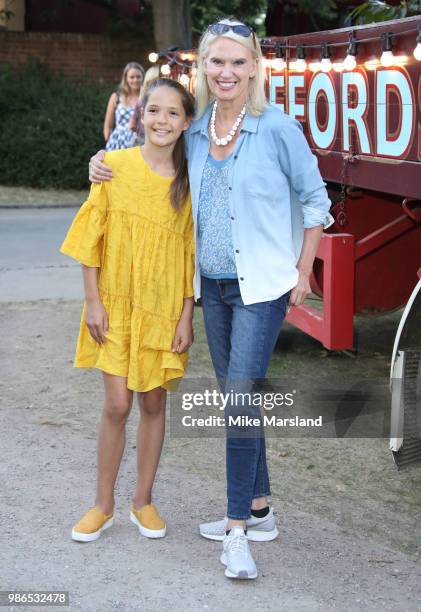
(134, 238)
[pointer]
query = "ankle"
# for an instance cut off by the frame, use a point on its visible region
(259, 503)
(107, 507)
(234, 522)
(138, 502)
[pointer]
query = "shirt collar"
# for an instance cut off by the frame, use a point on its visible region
(250, 123)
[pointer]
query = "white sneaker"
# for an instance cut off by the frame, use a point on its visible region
(258, 529)
(236, 555)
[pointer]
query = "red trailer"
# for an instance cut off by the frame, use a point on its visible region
(357, 93)
(363, 123)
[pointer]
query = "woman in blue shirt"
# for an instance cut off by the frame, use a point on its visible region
(259, 208)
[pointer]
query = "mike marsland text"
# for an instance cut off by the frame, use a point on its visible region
(246, 421)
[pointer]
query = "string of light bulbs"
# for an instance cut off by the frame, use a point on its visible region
(279, 55)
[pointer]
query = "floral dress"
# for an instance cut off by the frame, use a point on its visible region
(121, 136)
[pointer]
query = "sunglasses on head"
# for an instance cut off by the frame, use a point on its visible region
(239, 28)
(222, 28)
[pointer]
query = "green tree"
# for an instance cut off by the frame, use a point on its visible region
(375, 10)
(249, 11)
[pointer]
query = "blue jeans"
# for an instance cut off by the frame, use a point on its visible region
(241, 341)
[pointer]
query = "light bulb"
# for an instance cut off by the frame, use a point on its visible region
(299, 65)
(350, 62)
(314, 66)
(153, 57)
(387, 59)
(185, 80)
(325, 64)
(278, 64)
(372, 64)
(165, 69)
(417, 52)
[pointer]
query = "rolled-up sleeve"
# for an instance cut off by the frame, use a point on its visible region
(301, 167)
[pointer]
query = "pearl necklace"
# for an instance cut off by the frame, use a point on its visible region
(224, 141)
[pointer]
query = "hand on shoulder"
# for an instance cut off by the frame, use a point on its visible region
(98, 170)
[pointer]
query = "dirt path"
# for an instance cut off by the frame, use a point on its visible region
(350, 524)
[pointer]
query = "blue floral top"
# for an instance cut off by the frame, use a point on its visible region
(216, 251)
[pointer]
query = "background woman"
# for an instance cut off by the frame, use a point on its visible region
(121, 107)
(259, 208)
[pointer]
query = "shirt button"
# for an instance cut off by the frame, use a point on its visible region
(230, 188)
(241, 277)
(237, 251)
(232, 218)
(235, 156)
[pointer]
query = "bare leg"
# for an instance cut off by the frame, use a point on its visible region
(150, 437)
(111, 438)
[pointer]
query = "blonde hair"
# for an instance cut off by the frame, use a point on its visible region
(123, 88)
(151, 74)
(256, 97)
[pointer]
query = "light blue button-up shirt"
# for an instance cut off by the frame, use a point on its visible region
(275, 191)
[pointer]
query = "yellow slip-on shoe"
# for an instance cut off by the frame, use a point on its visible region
(91, 525)
(148, 521)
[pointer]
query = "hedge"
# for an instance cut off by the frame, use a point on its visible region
(49, 129)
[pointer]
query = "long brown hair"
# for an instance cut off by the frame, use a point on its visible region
(179, 188)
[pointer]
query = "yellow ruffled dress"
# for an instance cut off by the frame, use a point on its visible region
(145, 252)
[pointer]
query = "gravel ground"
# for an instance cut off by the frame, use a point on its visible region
(350, 527)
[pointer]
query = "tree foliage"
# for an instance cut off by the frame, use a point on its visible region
(50, 127)
(249, 11)
(376, 10)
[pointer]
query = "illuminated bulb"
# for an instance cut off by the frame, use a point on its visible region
(314, 66)
(187, 56)
(372, 64)
(387, 59)
(153, 57)
(278, 64)
(417, 51)
(299, 65)
(165, 69)
(185, 80)
(325, 64)
(350, 62)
